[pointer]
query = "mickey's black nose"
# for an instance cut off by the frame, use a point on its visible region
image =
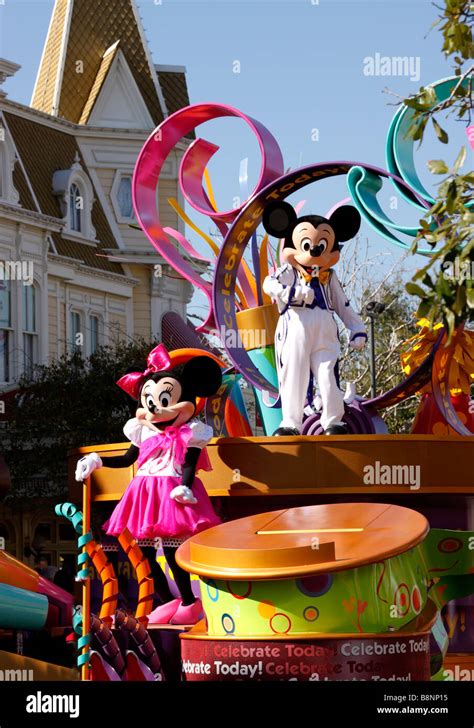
(317, 251)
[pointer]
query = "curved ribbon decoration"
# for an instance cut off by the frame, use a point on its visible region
(70, 511)
(150, 163)
(450, 370)
(84, 640)
(225, 411)
(400, 148)
(441, 387)
(74, 515)
(364, 187)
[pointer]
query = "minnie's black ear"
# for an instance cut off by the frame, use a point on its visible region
(278, 219)
(202, 376)
(345, 221)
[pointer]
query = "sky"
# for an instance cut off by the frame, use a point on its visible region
(301, 68)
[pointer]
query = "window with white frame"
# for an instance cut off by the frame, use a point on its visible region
(76, 199)
(77, 337)
(76, 208)
(30, 329)
(6, 331)
(124, 197)
(94, 333)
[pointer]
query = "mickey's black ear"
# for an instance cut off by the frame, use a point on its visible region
(278, 219)
(345, 221)
(202, 375)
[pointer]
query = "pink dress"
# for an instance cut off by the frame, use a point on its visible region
(146, 508)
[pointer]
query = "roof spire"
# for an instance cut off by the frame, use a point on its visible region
(79, 35)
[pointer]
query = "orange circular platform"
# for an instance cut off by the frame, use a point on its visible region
(302, 541)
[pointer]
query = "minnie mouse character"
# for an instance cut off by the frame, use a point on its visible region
(165, 500)
(307, 293)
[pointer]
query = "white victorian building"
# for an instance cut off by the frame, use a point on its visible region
(73, 270)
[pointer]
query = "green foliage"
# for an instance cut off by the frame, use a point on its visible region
(68, 404)
(447, 295)
(448, 226)
(455, 27)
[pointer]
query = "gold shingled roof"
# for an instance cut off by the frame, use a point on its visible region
(95, 25)
(44, 150)
(104, 67)
(175, 90)
(24, 192)
(43, 96)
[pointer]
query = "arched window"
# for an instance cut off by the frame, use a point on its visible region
(94, 333)
(30, 329)
(124, 197)
(76, 336)
(76, 207)
(76, 199)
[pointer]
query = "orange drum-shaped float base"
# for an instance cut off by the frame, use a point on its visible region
(337, 568)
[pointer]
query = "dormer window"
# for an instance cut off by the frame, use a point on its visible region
(76, 199)
(124, 197)
(121, 196)
(76, 206)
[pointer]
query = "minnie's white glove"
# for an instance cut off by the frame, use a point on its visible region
(87, 465)
(358, 342)
(183, 494)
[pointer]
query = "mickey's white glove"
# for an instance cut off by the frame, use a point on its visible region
(87, 465)
(183, 494)
(306, 294)
(358, 342)
(301, 294)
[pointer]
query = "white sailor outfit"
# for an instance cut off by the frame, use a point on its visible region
(306, 340)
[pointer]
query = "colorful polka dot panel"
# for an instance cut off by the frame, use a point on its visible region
(374, 598)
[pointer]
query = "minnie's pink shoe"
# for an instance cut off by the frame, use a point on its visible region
(164, 613)
(188, 615)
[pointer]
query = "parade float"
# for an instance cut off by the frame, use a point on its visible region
(34, 613)
(316, 572)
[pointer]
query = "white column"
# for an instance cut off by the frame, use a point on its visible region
(17, 319)
(43, 318)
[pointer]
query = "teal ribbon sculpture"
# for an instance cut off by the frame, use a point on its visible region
(71, 512)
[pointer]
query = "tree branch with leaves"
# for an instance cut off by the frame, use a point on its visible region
(445, 285)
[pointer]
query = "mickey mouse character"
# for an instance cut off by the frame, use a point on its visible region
(165, 500)
(307, 293)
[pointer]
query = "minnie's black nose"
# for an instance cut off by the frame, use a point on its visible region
(317, 251)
